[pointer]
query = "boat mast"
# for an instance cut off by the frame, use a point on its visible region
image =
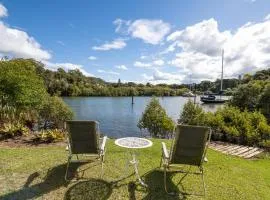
(221, 81)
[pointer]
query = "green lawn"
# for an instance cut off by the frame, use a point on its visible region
(38, 173)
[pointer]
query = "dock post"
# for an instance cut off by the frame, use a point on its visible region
(132, 100)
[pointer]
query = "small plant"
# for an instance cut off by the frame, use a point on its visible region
(48, 136)
(156, 120)
(192, 114)
(265, 144)
(10, 130)
(55, 112)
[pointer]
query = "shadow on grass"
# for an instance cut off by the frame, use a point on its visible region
(95, 189)
(53, 180)
(155, 181)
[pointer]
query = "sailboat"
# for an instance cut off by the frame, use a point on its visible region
(211, 98)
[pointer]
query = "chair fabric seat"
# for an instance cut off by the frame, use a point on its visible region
(189, 145)
(83, 136)
(188, 148)
(83, 147)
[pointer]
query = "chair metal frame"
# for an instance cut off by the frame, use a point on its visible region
(166, 163)
(100, 155)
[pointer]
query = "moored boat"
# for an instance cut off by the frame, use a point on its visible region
(212, 99)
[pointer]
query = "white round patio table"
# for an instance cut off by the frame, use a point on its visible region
(133, 143)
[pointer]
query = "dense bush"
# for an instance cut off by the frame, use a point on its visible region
(230, 124)
(192, 114)
(55, 112)
(247, 96)
(264, 101)
(155, 120)
(24, 99)
(20, 86)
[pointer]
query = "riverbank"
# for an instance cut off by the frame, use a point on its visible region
(38, 173)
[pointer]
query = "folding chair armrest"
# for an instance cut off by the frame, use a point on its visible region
(103, 144)
(164, 151)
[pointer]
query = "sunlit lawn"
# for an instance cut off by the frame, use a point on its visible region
(38, 173)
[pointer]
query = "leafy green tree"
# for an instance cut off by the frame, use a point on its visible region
(247, 78)
(205, 86)
(24, 98)
(20, 86)
(262, 75)
(55, 111)
(192, 114)
(247, 95)
(264, 101)
(155, 120)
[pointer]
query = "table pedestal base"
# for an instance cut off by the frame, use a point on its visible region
(135, 162)
(134, 143)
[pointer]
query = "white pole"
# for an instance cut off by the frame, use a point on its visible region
(221, 82)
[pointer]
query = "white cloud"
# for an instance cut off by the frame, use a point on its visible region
(267, 17)
(107, 72)
(246, 49)
(142, 64)
(66, 66)
(3, 11)
(120, 25)
(203, 37)
(201, 66)
(123, 67)
(147, 77)
(158, 75)
(20, 44)
(115, 44)
(92, 58)
(170, 48)
(173, 36)
(163, 77)
(158, 62)
(61, 42)
(150, 31)
(143, 57)
(155, 63)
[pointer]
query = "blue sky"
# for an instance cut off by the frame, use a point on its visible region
(143, 41)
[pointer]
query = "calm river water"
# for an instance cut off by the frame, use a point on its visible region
(118, 117)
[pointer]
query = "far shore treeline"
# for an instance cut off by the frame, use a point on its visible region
(74, 83)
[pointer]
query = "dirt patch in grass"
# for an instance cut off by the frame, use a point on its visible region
(27, 141)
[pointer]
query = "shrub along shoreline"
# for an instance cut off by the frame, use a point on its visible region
(230, 124)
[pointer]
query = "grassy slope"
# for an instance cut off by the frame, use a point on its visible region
(37, 173)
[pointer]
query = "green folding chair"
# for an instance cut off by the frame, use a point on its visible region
(84, 139)
(188, 148)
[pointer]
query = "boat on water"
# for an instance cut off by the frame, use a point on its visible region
(211, 98)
